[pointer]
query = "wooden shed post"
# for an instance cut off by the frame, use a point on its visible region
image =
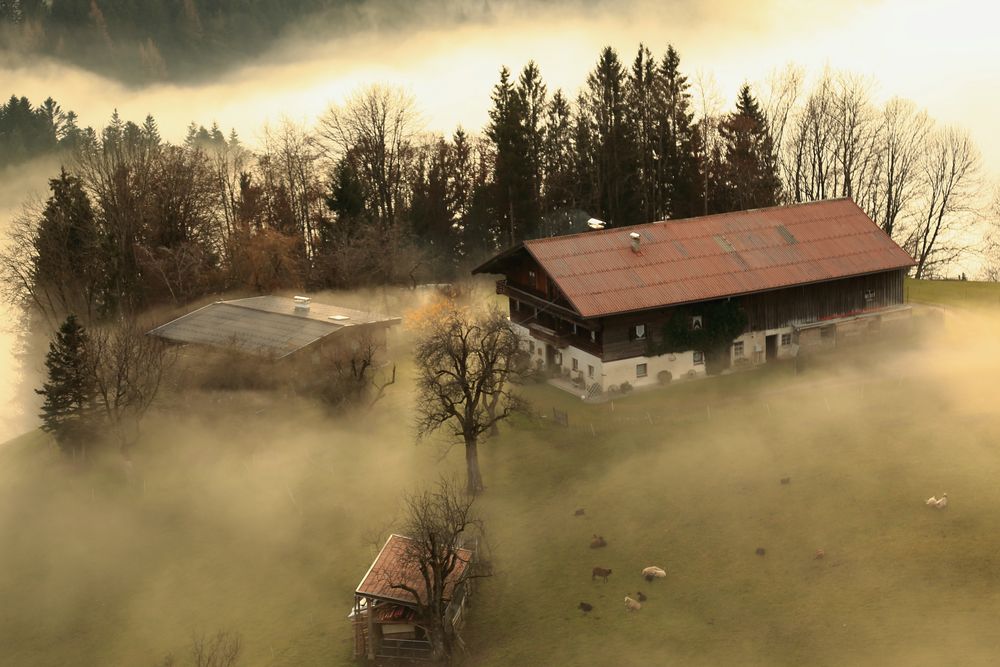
(371, 629)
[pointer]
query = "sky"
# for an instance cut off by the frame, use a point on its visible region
(941, 54)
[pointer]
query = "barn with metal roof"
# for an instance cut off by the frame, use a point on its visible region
(592, 306)
(270, 326)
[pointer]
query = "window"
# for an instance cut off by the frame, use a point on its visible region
(590, 371)
(640, 370)
(869, 296)
(738, 349)
(696, 323)
(593, 336)
(531, 346)
(786, 339)
(557, 359)
(638, 332)
(531, 277)
(574, 328)
(517, 304)
(576, 364)
(699, 358)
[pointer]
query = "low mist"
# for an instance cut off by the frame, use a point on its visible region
(259, 512)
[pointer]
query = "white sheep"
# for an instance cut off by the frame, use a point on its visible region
(653, 572)
(632, 605)
(938, 503)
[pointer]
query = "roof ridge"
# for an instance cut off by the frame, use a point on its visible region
(673, 221)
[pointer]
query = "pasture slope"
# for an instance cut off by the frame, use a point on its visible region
(262, 519)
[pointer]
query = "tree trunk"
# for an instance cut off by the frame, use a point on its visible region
(475, 478)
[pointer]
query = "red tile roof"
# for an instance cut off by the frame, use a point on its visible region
(699, 259)
(395, 565)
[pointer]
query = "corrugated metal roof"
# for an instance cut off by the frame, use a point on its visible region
(711, 257)
(395, 565)
(264, 325)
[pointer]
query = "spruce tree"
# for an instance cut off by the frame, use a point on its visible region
(750, 173)
(68, 408)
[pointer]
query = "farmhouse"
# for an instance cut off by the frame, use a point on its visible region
(633, 304)
(276, 327)
(386, 618)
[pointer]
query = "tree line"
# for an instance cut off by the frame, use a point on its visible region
(367, 197)
(28, 131)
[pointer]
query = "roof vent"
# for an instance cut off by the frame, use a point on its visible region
(302, 304)
(635, 241)
(594, 223)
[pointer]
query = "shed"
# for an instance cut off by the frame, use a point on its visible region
(386, 619)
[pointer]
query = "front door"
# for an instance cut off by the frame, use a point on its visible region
(771, 347)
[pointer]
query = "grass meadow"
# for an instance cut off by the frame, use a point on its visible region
(260, 517)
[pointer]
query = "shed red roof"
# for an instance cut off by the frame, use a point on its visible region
(395, 565)
(716, 256)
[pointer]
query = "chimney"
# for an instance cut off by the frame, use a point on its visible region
(635, 241)
(301, 304)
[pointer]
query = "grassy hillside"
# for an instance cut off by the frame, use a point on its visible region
(960, 293)
(261, 517)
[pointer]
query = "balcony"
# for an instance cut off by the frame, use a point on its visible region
(537, 300)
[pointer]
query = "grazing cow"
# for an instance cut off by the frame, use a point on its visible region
(653, 572)
(585, 607)
(632, 605)
(640, 596)
(760, 551)
(600, 572)
(579, 512)
(598, 542)
(820, 554)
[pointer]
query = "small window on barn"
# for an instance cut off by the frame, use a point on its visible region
(531, 346)
(696, 323)
(699, 358)
(869, 296)
(557, 359)
(738, 349)
(593, 336)
(576, 364)
(786, 339)
(640, 370)
(638, 332)
(517, 304)
(574, 328)
(590, 371)
(531, 276)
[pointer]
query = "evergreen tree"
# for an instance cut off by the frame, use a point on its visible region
(678, 165)
(514, 203)
(750, 173)
(614, 150)
(67, 260)
(68, 407)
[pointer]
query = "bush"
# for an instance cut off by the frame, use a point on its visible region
(664, 377)
(625, 388)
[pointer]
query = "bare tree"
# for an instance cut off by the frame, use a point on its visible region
(947, 204)
(374, 130)
(991, 240)
(128, 369)
(464, 362)
(354, 376)
(904, 134)
(221, 650)
(442, 526)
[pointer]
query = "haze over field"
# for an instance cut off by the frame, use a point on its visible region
(942, 55)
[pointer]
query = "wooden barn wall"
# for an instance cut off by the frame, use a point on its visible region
(809, 303)
(767, 310)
